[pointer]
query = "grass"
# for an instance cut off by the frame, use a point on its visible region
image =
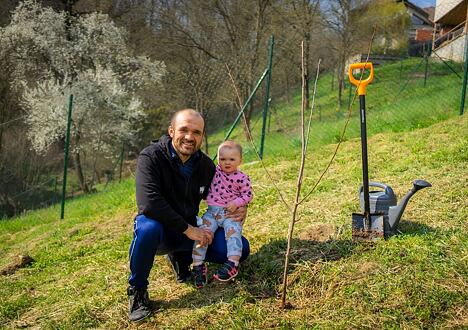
(417, 279)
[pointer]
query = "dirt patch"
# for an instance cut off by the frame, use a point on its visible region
(319, 233)
(21, 262)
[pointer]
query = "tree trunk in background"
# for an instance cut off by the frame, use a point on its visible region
(206, 145)
(341, 82)
(1, 139)
(332, 85)
(78, 166)
(79, 172)
(306, 70)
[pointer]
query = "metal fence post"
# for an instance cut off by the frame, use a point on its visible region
(65, 162)
(267, 95)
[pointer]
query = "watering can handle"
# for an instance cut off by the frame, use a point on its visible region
(361, 84)
(388, 189)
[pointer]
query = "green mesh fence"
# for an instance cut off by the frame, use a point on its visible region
(406, 94)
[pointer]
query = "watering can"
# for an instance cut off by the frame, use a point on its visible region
(383, 201)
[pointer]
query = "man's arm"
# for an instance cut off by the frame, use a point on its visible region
(150, 201)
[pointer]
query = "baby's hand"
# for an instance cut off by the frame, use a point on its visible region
(231, 207)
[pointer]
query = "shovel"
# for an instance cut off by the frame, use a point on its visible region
(367, 226)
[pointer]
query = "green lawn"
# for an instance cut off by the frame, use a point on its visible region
(417, 279)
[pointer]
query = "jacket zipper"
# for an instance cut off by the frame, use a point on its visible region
(187, 181)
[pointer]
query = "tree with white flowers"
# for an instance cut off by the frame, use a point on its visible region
(55, 55)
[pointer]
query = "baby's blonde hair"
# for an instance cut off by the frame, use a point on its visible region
(230, 144)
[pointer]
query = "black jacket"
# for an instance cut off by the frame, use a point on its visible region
(163, 193)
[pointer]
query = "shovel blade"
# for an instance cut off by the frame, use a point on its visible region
(361, 231)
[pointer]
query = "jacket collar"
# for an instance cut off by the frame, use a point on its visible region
(165, 144)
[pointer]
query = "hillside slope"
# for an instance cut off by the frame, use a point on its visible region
(418, 279)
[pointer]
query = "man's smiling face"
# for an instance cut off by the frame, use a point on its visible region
(186, 131)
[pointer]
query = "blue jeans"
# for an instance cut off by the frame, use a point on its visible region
(151, 238)
(213, 219)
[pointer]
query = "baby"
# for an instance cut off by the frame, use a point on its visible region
(229, 190)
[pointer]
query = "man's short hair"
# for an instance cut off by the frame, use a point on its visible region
(192, 111)
(230, 144)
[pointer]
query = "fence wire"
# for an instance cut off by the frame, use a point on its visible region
(406, 94)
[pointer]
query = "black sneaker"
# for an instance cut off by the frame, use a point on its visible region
(227, 272)
(139, 303)
(181, 269)
(199, 275)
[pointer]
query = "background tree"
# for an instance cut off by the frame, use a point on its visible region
(391, 20)
(303, 19)
(91, 47)
(342, 21)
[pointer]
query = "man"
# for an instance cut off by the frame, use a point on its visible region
(172, 177)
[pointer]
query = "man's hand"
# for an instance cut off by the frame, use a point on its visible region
(204, 235)
(238, 215)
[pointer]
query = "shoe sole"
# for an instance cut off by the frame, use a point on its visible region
(221, 280)
(141, 319)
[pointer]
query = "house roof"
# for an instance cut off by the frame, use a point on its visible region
(430, 11)
(452, 13)
(420, 13)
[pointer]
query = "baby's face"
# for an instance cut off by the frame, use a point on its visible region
(229, 159)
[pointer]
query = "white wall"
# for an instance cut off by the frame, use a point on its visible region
(455, 50)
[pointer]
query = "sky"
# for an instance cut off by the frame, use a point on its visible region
(424, 3)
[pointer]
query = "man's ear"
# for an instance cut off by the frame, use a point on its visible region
(170, 131)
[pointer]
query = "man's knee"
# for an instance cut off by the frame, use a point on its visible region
(147, 228)
(245, 249)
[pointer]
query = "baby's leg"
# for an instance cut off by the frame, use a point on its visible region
(206, 221)
(233, 233)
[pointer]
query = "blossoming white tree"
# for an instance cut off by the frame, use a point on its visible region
(54, 56)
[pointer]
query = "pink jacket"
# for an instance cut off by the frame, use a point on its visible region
(226, 187)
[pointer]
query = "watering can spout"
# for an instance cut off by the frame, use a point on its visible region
(395, 212)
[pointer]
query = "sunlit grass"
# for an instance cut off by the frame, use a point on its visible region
(417, 279)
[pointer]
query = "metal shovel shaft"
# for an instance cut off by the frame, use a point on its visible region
(365, 170)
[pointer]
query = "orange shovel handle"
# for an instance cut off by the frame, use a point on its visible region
(361, 84)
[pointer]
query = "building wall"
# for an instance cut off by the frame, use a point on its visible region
(423, 35)
(444, 6)
(454, 50)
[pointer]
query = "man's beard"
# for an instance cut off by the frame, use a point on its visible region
(192, 146)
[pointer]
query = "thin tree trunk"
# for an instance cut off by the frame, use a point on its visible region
(333, 81)
(298, 187)
(78, 166)
(340, 82)
(95, 174)
(1, 139)
(306, 70)
(206, 144)
(79, 172)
